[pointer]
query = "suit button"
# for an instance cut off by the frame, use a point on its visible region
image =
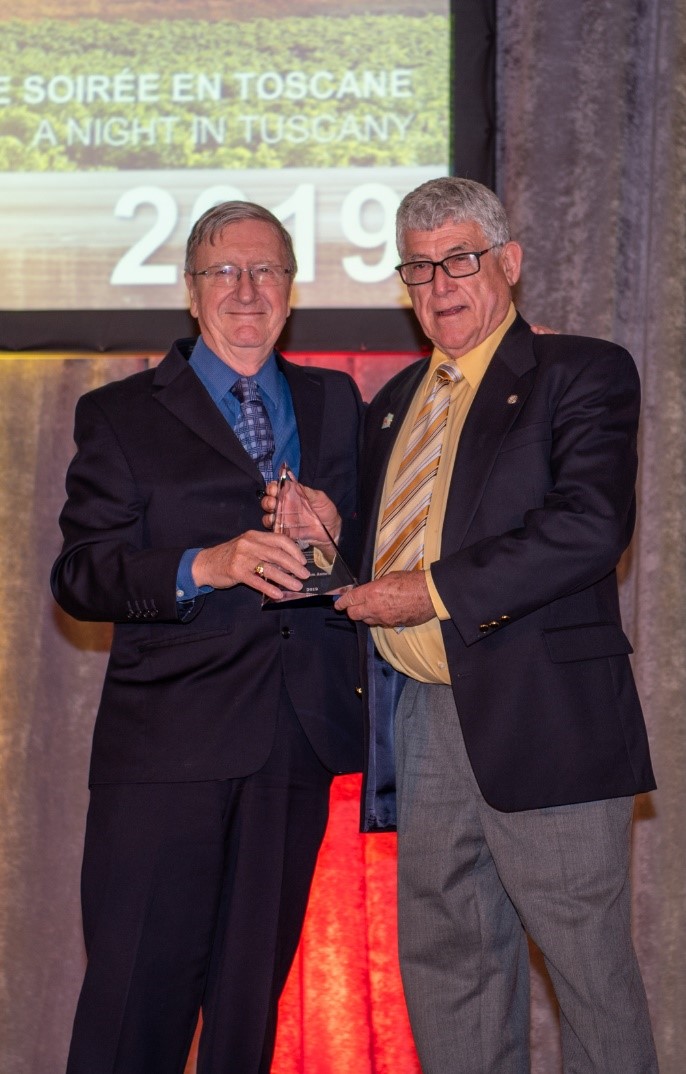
(285, 632)
(494, 623)
(483, 627)
(358, 691)
(505, 618)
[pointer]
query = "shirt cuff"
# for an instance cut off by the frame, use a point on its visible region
(439, 607)
(186, 589)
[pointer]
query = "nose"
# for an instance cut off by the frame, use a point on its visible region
(442, 282)
(245, 288)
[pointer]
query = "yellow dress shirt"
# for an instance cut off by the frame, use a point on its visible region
(419, 651)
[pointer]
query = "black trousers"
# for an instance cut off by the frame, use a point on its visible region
(193, 898)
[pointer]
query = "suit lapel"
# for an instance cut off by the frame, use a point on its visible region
(382, 426)
(383, 436)
(182, 393)
(178, 389)
(503, 392)
(307, 393)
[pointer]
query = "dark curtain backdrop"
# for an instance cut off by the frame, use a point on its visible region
(591, 166)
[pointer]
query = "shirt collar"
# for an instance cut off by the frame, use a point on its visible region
(219, 378)
(475, 362)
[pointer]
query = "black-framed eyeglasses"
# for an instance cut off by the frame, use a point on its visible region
(229, 276)
(413, 273)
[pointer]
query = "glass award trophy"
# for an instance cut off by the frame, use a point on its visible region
(296, 517)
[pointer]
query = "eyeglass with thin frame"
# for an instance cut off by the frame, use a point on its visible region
(456, 266)
(229, 276)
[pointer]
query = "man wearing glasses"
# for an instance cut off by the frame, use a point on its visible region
(220, 723)
(498, 485)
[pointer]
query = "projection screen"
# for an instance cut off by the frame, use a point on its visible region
(123, 121)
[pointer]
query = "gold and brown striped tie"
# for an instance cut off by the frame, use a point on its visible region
(400, 544)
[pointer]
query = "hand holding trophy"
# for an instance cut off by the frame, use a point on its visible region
(311, 520)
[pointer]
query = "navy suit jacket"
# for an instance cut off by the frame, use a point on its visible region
(541, 507)
(158, 470)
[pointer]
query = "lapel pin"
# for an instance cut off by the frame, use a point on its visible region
(512, 399)
(386, 423)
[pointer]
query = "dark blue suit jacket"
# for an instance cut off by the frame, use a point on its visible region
(540, 509)
(158, 470)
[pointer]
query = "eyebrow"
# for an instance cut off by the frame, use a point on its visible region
(462, 247)
(243, 268)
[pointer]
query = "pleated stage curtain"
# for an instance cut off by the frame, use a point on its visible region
(342, 1010)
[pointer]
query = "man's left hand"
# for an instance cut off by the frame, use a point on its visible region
(400, 598)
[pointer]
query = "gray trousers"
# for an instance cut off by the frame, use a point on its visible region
(472, 882)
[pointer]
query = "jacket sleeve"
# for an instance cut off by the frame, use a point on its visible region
(106, 571)
(575, 529)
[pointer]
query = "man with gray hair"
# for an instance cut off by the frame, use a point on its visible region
(498, 488)
(220, 723)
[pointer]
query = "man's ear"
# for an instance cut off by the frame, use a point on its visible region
(511, 261)
(190, 284)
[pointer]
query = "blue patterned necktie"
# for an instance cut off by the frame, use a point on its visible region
(253, 428)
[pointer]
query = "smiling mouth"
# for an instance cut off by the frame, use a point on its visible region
(450, 311)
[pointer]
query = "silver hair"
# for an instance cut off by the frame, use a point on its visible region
(214, 220)
(451, 199)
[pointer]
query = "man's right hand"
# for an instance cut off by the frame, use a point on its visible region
(235, 562)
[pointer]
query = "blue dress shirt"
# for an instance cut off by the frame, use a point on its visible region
(218, 378)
